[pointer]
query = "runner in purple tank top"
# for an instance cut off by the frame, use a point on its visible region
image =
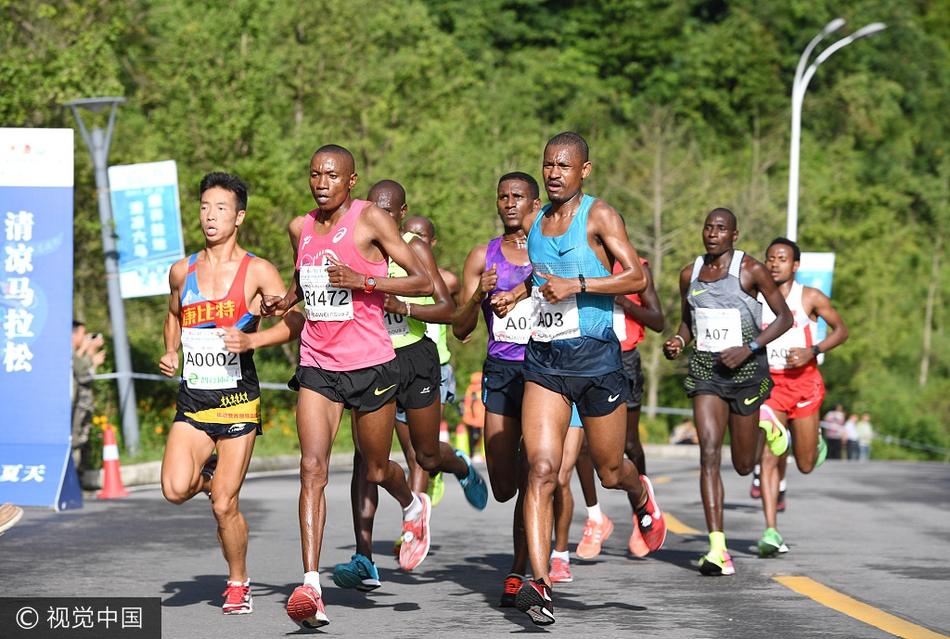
(489, 269)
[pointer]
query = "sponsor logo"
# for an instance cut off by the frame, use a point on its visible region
(695, 293)
(379, 391)
(306, 241)
(425, 390)
(234, 428)
(748, 401)
(804, 404)
(613, 398)
(339, 235)
(565, 251)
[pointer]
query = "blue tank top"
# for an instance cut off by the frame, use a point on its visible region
(595, 351)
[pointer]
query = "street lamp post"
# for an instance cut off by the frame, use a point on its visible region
(803, 76)
(98, 143)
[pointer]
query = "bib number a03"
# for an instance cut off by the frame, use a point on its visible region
(322, 301)
(555, 321)
(516, 327)
(208, 363)
(717, 329)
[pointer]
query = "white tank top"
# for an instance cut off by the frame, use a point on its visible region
(800, 335)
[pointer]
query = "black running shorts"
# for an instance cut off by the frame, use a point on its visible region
(221, 431)
(631, 366)
(365, 389)
(420, 375)
(502, 386)
(593, 396)
(742, 400)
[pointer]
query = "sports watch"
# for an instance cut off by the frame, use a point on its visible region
(369, 284)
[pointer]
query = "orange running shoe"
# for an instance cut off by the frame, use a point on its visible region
(560, 572)
(595, 534)
(513, 583)
(636, 545)
(415, 537)
(305, 607)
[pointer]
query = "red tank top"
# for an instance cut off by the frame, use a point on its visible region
(634, 329)
(344, 329)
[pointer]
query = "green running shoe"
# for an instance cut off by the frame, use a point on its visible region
(822, 451)
(771, 543)
(776, 435)
(714, 564)
(436, 488)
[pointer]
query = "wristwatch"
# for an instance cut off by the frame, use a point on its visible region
(369, 284)
(816, 350)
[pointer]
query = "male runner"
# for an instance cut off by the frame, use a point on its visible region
(500, 266)
(419, 410)
(573, 355)
(799, 390)
(346, 357)
(213, 313)
(728, 375)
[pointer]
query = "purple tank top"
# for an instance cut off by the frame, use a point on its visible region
(509, 276)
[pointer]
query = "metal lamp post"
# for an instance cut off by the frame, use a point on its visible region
(98, 143)
(803, 76)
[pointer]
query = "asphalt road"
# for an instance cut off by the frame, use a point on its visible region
(876, 532)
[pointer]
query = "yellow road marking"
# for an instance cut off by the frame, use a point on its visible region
(853, 608)
(657, 481)
(675, 526)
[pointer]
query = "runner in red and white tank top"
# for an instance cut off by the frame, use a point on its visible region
(346, 357)
(798, 392)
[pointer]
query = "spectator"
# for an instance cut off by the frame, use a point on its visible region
(88, 354)
(832, 427)
(865, 435)
(850, 438)
(684, 433)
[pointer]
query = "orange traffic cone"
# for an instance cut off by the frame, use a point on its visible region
(112, 487)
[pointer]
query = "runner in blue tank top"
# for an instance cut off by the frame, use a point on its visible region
(573, 355)
(728, 372)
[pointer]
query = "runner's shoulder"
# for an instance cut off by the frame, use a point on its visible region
(478, 254)
(178, 271)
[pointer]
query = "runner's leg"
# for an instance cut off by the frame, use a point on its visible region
(186, 451)
(234, 457)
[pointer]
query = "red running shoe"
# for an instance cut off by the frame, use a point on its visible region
(534, 599)
(513, 583)
(237, 599)
(305, 607)
(594, 536)
(636, 545)
(650, 519)
(560, 572)
(415, 537)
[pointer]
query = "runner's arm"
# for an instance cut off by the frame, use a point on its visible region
(684, 334)
(268, 305)
(649, 312)
(168, 364)
(820, 306)
(441, 311)
(269, 284)
(466, 316)
(773, 297)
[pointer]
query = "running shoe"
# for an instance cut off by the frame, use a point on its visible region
(415, 537)
(560, 572)
(476, 492)
(771, 543)
(359, 573)
(822, 451)
(396, 545)
(636, 545)
(513, 583)
(534, 599)
(305, 607)
(714, 564)
(237, 599)
(780, 505)
(436, 489)
(755, 490)
(595, 534)
(776, 435)
(9, 516)
(208, 469)
(650, 519)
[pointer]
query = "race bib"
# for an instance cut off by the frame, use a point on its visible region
(555, 321)
(620, 322)
(208, 364)
(515, 327)
(717, 329)
(396, 325)
(324, 302)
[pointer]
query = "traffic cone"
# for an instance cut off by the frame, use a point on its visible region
(461, 438)
(112, 487)
(444, 431)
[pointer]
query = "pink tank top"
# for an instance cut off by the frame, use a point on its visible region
(344, 329)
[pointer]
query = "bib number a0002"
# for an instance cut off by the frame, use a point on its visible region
(322, 301)
(208, 363)
(516, 327)
(556, 321)
(717, 329)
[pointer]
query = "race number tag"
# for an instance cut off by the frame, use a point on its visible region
(208, 364)
(717, 329)
(324, 302)
(778, 348)
(556, 321)
(517, 325)
(620, 322)
(396, 325)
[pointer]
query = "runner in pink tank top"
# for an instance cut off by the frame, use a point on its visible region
(347, 359)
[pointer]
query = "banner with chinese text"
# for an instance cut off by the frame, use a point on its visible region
(147, 224)
(817, 270)
(36, 309)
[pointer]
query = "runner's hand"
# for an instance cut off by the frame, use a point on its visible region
(342, 276)
(489, 280)
(557, 288)
(733, 357)
(236, 340)
(799, 356)
(394, 305)
(273, 305)
(672, 348)
(168, 364)
(502, 303)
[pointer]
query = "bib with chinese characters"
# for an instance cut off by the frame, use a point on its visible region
(555, 321)
(717, 329)
(516, 327)
(208, 364)
(322, 301)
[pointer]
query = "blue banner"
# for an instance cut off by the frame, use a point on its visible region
(817, 270)
(147, 224)
(36, 205)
